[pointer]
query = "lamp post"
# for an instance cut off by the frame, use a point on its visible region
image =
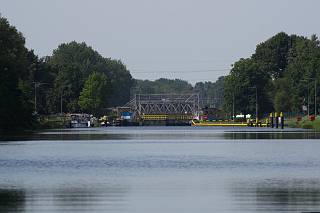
(233, 107)
(315, 95)
(308, 102)
(61, 103)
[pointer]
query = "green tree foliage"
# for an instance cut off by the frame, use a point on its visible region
(273, 54)
(15, 104)
(41, 77)
(121, 82)
(62, 75)
(94, 96)
(163, 85)
(73, 63)
(284, 68)
(211, 93)
(246, 78)
(285, 96)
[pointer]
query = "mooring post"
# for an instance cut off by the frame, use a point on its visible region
(282, 120)
(277, 119)
(271, 120)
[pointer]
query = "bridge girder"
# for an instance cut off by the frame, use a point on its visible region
(168, 104)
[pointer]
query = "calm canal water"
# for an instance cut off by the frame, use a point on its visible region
(161, 169)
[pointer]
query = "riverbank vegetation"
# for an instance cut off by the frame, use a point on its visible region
(304, 123)
(284, 71)
(75, 78)
(283, 74)
(16, 68)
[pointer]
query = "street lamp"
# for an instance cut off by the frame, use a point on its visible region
(233, 107)
(315, 95)
(308, 98)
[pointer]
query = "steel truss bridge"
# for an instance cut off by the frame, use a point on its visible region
(164, 106)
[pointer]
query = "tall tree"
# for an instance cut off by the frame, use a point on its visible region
(94, 96)
(303, 68)
(73, 63)
(273, 54)
(284, 68)
(15, 105)
(41, 77)
(248, 80)
(286, 97)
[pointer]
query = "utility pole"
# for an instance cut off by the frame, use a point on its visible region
(308, 98)
(315, 97)
(308, 103)
(61, 103)
(256, 104)
(233, 107)
(35, 97)
(36, 84)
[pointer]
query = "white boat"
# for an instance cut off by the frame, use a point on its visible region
(80, 120)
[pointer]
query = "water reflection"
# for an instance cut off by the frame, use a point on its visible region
(12, 200)
(82, 199)
(271, 135)
(85, 199)
(165, 133)
(160, 169)
(278, 195)
(63, 136)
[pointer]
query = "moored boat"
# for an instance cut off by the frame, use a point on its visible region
(80, 120)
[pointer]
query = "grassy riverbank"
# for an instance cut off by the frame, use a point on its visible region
(53, 122)
(304, 123)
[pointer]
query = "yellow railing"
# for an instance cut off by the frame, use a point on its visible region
(163, 117)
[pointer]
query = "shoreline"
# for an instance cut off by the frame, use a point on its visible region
(304, 123)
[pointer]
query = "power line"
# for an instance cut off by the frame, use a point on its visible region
(187, 80)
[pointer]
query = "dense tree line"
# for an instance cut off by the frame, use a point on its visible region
(162, 85)
(283, 73)
(16, 64)
(75, 78)
(211, 93)
(283, 70)
(72, 65)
